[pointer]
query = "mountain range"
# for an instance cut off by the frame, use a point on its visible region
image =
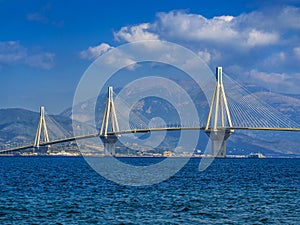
(19, 126)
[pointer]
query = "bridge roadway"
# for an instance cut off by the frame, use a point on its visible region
(146, 130)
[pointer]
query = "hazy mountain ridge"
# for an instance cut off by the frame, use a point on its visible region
(273, 143)
(19, 125)
(287, 105)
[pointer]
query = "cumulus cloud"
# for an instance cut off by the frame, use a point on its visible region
(261, 40)
(265, 38)
(205, 55)
(135, 33)
(12, 52)
(257, 38)
(182, 26)
(274, 60)
(297, 52)
(93, 52)
(278, 82)
(269, 78)
(43, 16)
(288, 18)
(41, 60)
(192, 27)
(116, 58)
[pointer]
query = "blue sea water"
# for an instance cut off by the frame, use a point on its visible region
(65, 190)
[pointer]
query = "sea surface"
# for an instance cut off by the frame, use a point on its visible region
(65, 190)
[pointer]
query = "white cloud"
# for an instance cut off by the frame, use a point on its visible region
(226, 18)
(261, 40)
(135, 33)
(288, 18)
(257, 38)
(270, 78)
(44, 16)
(205, 55)
(297, 52)
(115, 57)
(42, 60)
(12, 52)
(93, 52)
(275, 60)
(273, 81)
(193, 27)
(221, 30)
(119, 59)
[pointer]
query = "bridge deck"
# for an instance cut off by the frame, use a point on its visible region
(147, 130)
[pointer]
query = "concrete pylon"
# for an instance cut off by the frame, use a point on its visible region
(109, 125)
(41, 129)
(218, 124)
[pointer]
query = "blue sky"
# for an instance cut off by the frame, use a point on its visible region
(45, 46)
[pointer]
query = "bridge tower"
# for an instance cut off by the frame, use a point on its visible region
(41, 131)
(109, 125)
(218, 124)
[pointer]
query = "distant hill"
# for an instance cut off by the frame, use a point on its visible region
(287, 105)
(241, 142)
(19, 125)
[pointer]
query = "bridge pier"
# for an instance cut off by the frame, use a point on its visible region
(109, 126)
(109, 144)
(218, 142)
(41, 132)
(41, 150)
(218, 124)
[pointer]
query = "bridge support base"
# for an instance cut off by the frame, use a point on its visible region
(41, 150)
(109, 144)
(218, 141)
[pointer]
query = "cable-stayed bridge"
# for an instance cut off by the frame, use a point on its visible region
(232, 108)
